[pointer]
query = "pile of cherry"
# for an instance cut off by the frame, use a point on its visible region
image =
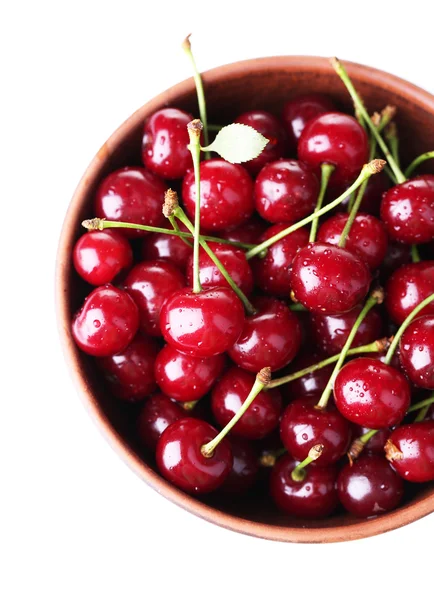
(193, 349)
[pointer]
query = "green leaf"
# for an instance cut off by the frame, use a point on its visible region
(238, 143)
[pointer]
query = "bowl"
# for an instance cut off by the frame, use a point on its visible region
(270, 82)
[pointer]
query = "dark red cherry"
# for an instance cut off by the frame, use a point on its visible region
(327, 279)
(180, 459)
(226, 194)
(311, 384)
(271, 337)
(130, 373)
(203, 324)
(369, 487)
(247, 233)
(411, 451)
(156, 415)
(134, 195)
(303, 426)
(371, 394)
(367, 237)
(244, 468)
(166, 246)
(186, 378)
(272, 129)
(330, 332)
(285, 190)
(417, 352)
(407, 287)
(407, 210)
(273, 272)
(100, 256)
(301, 110)
(149, 283)
(314, 498)
(396, 256)
(233, 259)
(165, 141)
(338, 139)
(376, 444)
(106, 323)
(372, 195)
(229, 394)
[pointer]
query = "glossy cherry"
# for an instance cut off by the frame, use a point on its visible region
(311, 384)
(285, 190)
(371, 394)
(229, 394)
(302, 109)
(407, 287)
(226, 194)
(165, 141)
(369, 487)
(180, 459)
(244, 469)
(134, 195)
(247, 233)
(100, 256)
(411, 451)
(157, 413)
(396, 256)
(417, 352)
(376, 444)
(271, 337)
(166, 246)
(327, 279)
(106, 323)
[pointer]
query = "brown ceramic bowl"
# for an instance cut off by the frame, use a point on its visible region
(262, 83)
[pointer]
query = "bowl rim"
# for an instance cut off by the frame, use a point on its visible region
(334, 533)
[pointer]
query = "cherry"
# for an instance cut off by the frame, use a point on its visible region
(417, 352)
(247, 233)
(337, 139)
(166, 246)
(106, 323)
(226, 197)
(157, 413)
(233, 259)
(285, 190)
(407, 287)
(230, 393)
(202, 324)
(313, 498)
(396, 256)
(371, 394)
(130, 373)
(371, 201)
(410, 450)
(165, 141)
(149, 283)
(134, 195)
(186, 378)
(407, 210)
(311, 384)
(367, 237)
(244, 468)
(181, 461)
(272, 129)
(273, 272)
(375, 444)
(99, 256)
(329, 279)
(272, 337)
(299, 111)
(369, 487)
(303, 426)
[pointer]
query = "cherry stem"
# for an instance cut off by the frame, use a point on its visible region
(424, 405)
(376, 297)
(391, 135)
(176, 228)
(299, 473)
(269, 459)
(415, 256)
(358, 444)
(326, 171)
(341, 71)
(194, 130)
(213, 127)
(417, 161)
(262, 379)
(297, 307)
(375, 166)
(404, 326)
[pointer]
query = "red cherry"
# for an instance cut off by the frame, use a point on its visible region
(165, 141)
(202, 324)
(99, 256)
(166, 246)
(299, 111)
(397, 255)
(229, 394)
(272, 337)
(376, 444)
(149, 283)
(244, 468)
(327, 279)
(285, 190)
(247, 233)
(186, 378)
(371, 201)
(134, 195)
(407, 210)
(371, 394)
(407, 287)
(417, 352)
(314, 498)
(337, 139)
(106, 323)
(180, 459)
(156, 415)
(412, 452)
(226, 195)
(311, 384)
(369, 487)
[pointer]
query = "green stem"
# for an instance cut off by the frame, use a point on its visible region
(417, 161)
(422, 404)
(194, 130)
(415, 256)
(391, 136)
(326, 171)
(176, 228)
(299, 473)
(297, 307)
(367, 436)
(390, 174)
(213, 127)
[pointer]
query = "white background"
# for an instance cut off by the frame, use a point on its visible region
(75, 522)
